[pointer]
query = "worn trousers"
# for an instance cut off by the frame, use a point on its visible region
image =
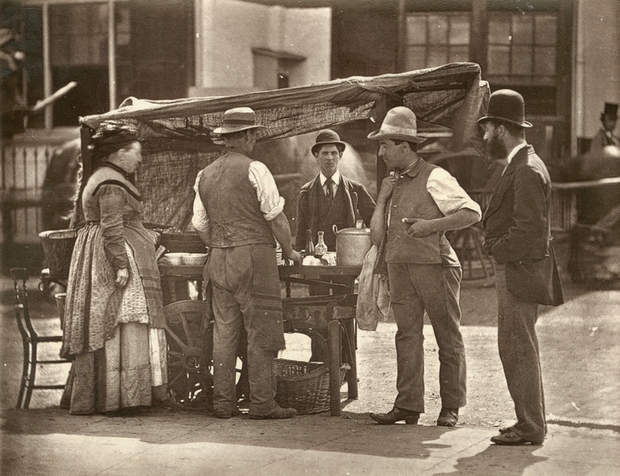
(415, 288)
(245, 293)
(520, 356)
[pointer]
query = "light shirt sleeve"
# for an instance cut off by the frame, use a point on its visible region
(271, 203)
(448, 194)
(200, 220)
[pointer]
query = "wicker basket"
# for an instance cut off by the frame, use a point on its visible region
(304, 386)
(58, 248)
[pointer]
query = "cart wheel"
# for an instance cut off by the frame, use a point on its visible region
(189, 331)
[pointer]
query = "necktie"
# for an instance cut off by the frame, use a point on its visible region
(329, 191)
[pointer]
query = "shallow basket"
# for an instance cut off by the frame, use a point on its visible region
(304, 386)
(58, 248)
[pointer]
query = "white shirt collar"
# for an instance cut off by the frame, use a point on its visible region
(335, 178)
(514, 152)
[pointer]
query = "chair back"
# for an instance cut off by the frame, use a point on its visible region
(22, 313)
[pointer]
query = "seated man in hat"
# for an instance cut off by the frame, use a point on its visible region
(328, 200)
(417, 203)
(238, 214)
(605, 136)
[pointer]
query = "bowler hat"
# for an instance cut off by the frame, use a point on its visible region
(506, 105)
(238, 119)
(611, 110)
(327, 136)
(399, 123)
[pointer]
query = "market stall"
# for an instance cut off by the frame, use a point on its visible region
(178, 141)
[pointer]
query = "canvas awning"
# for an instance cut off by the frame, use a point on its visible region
(178, 133)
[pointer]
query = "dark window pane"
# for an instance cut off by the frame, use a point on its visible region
(522, 29)
(416, 57)
(416, 30)
(522, 61)
(60, 50)
(79, 34)
(438, 29)
(544, 60)
(459, 54)
(546, 29)
(437, 55)
(33, 63)
(499, 60)
(123, 32)
(499, 29)
(459, 30)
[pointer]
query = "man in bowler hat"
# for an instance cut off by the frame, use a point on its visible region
(518, 240)
(238, 214)
(329, 200)
(417, 203)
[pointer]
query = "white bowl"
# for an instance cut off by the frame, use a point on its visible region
(194, 259)
(175, 258)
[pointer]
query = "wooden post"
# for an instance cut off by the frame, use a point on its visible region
(333, 352)
(478, 44)
(401, 38)
(350, 345)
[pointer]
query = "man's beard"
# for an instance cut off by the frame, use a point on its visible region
(496, 149)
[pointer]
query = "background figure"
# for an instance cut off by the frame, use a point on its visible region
(605, 136)
(416, 205)
(237, 213)
(518, 238)
(114, 317)
(60, 187)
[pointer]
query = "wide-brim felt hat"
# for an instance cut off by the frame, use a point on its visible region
(399, 123)
(238, 119)
(508, 106)
(327, 136)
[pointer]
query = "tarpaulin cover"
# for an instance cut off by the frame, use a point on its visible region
(178, 139)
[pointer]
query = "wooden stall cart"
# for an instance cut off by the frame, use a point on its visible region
(178, 141)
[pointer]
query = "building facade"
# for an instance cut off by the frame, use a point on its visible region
(562, 55)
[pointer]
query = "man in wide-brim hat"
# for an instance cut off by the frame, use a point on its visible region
(517, 237)
(417, 203)
(238, 213)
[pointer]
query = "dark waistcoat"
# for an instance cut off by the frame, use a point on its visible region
(330, 214)
(233, 209)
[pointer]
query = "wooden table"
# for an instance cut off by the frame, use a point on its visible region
(337, 318)
(340, 323)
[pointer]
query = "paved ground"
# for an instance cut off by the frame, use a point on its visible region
(580, 344)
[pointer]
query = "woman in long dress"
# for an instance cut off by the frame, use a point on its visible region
(114, 318)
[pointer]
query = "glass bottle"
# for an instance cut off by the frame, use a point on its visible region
(309, 243)
(321, 248)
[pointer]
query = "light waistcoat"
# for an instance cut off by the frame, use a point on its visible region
(411, 199)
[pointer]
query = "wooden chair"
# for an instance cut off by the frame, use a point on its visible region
(31, 340)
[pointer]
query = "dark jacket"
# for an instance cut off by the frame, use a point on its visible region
(518, 230)
(359, 205)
